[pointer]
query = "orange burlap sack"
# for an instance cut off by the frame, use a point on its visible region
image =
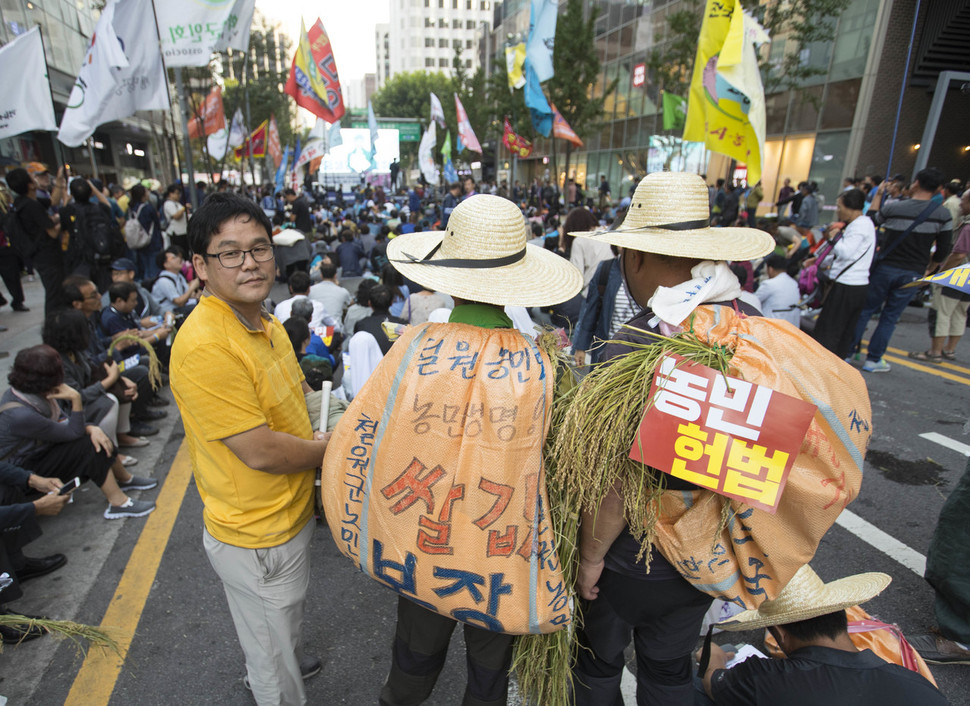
(866, 633)
(433, 481)
(757, 553)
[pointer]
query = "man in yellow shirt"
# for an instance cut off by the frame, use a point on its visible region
(240, 391)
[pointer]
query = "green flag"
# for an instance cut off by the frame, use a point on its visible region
(675, 111)
(446, 146)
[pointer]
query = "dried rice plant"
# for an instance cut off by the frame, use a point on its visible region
(75, 632)
(154, 366)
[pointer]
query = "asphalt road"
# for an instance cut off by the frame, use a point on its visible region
(185, 649)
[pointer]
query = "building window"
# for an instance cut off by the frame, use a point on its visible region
(427, 3)
(428, 22)
(484, 4)
(441, 4)
(454, 4)
(468, 63)
(456, 24)
(468, 4)
(470, 24)
(428, 42)
(442, 43)
(429, 62)
(456, 44)
(468, 44)
(442, 23)
(443, 63)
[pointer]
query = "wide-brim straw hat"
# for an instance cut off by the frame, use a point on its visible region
(484, 256)
(128, 182)
(670, 214)
(807, 596)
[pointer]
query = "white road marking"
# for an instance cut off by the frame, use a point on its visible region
(946, 441)
(887, 544)
(628, 687)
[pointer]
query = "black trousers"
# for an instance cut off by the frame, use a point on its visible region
(12, 540)
(10, 273)
(664, 617)
(50, 267)
(69, 459)
(836, 324)
(420, 647)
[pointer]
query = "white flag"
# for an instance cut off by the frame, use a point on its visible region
(319, 131)
(437, 112)
(192, 30)
(237, 131)
(312, 150)
(426, 155)
(25, 94)
(217, 143)
(122, 72)
(333, 136)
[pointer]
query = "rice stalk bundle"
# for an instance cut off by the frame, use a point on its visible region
(586, 456)
(75, 632)
(154, 366)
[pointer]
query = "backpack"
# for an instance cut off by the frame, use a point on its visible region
(98, 237)
(17, 236)
(135, 234)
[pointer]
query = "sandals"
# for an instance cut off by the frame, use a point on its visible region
(926, 356)
(950, 355)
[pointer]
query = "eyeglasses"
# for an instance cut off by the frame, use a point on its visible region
(235, 258)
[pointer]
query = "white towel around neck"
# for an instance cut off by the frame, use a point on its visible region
(710, 282)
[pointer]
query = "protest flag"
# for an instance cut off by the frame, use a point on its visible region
(536, 102)
(514, 65)
(726, 110)
(255, 144)
(446, 146)
(426, 155)
(211, 115)
(465, 131)
(542, 37)
(437, 112)
(25, 93)
(561, 129)
(273, 142)
(675, 111)
(322, 52)
(122, 72)
(192, 31)
(516, 144)
(333, 136)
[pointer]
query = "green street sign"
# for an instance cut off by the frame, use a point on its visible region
(407, 132)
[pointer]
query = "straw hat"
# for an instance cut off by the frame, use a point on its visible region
(483, 256)
(128, 182)
(670, 214)
(806, 596)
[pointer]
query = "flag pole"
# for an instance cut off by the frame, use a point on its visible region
(186, 142)
(58, 154)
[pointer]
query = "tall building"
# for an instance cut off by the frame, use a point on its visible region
(382, 44)
(838, 122)
(424, 34)
(131, 147)
(357, 91)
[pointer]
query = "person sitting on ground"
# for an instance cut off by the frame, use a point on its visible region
(120, 318)
(422, 303)
(82, 295)
(317, 346)
(149, 311)
(378, 255)
(299, 285)
(102, 389)
(360, 308)
(349, 255)
(171, 289)
(779, 293)
(809, 622)
(335, 299)
(380, 303)
(298, 332)
(36, 432)
(19, 527)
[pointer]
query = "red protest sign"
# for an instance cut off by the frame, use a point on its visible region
(725, 434)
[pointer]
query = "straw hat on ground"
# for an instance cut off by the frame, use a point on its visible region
(483, 256)
(670, 214)
(807, 596)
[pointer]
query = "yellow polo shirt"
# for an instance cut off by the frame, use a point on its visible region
(228, 378)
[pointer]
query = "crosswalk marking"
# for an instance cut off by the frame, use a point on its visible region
(946, 441)
(887, 544)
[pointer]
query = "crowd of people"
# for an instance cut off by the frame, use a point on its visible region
(142, 290)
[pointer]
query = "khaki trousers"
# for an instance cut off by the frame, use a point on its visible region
(266, 590)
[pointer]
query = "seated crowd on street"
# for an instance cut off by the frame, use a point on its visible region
(480, 295)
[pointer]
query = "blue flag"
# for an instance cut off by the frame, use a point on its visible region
(372, 124)
(536, 101)
(542, 37)
(333, 135)
(296, 153)
(281, 172)
(451, 174)
(459, 146)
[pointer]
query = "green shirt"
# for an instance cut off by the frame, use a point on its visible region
(481, 315)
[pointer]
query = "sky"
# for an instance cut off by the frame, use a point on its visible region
(349, 23)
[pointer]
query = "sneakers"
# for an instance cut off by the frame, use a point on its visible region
(138, 483)
(149, 414)
(132, 508)
(140, 429)
(876, 366)
(309, 666)
(938, 650)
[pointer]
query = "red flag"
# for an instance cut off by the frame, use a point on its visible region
(273, 143)
(561, 129)
(516, 143)
(322, 51)
(256, 142)
(211, 117)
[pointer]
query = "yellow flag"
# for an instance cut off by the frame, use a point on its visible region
(726, 110)
(514, 62)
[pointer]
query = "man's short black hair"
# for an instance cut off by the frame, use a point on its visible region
(954, 188)
(66, 331)
(289, 192)
(18, 180)
(830, 625)
(930, 178)
(218, 209)
(299, 282)
(328, 270)
(380, 297)
(81, 190)
(120, 290)
(776, 262)
(162, 257)
(173, 189)
(298, 331)
(853, 198)
(138, 192)
(362, 295)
